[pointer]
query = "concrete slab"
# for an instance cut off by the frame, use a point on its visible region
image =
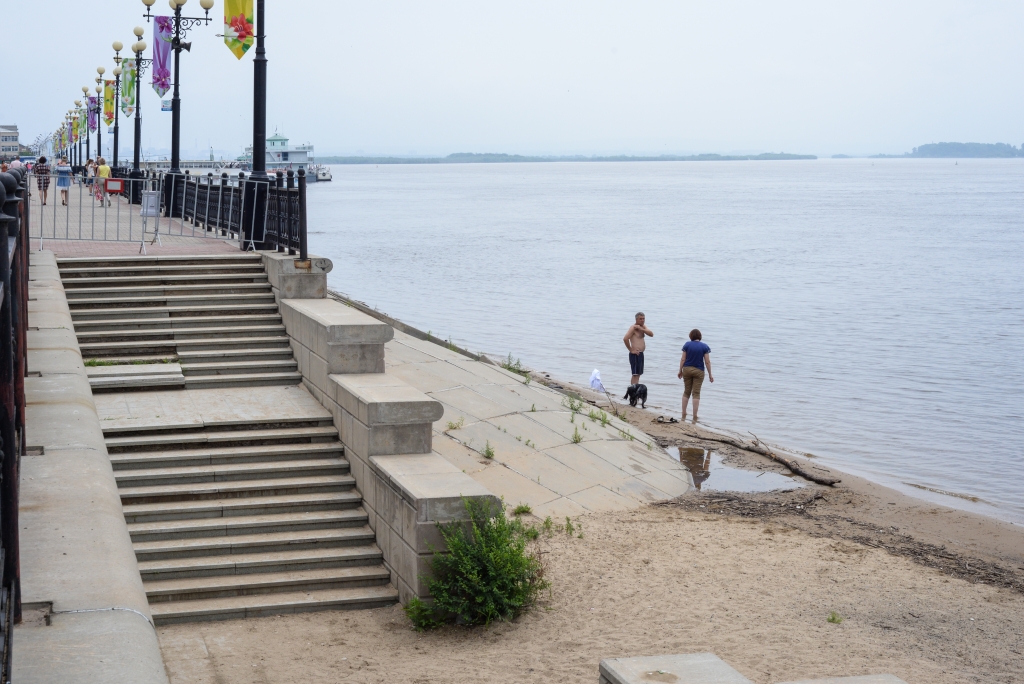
(602, 499)
(380, 399)
(673, 484)
(582, 461)
(452, 414)
(487, 373)
(521, 425)
(476, 436)
(51, 361)
(232, 405)
(429, 348)
(113, 647)
(462, 457)
(559, 509)
(133, 370)
(865, 679)
(548, 472)
(434, 376)
(396, 353)
(466, 400)
(53, 338)
(692, 668)
(144, 410)
(513, 487)
(512, 397)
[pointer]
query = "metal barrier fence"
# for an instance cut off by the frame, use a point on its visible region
(259, 214)
(15, 214)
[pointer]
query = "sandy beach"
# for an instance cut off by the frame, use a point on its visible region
(927, 593)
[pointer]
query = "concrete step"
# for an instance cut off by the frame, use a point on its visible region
(223, 509)
(236, 367)
(151, 477)
(68, 272)
(174, 322)
(159, 291)
(254, 380)
(134, 298)
(288, 540)
(277, 453)
(194, 588)
(218, 280)
(150, 441)
(224, 528)
(170, 259)
(240, 563)
(251, 489)
(131, 383)
(210, 307)
(248, 353)
(172, 347)
(201, 335)
(282, 603)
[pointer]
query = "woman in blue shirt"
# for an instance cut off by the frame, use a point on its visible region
(696, 355)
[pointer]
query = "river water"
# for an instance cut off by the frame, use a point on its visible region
(869, 312)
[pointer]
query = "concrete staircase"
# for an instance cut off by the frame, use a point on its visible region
(252, 513)
(177, 321)
(249, 519)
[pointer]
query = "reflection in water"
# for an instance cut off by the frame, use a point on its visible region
(709, 473)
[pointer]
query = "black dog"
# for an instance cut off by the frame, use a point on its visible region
(637, 393)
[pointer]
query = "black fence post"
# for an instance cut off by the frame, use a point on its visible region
(303, 251)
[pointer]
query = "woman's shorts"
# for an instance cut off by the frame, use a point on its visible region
(693, 378)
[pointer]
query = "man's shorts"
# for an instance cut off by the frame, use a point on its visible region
(636, 363)
(693, 378)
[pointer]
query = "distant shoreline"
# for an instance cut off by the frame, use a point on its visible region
(495, 158)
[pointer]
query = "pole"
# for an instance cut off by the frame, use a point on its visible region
(117, 117)
(176, 98)
(138, 115)
(99, 127)
(255, 194)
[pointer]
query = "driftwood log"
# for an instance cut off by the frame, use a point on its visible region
(759, 447)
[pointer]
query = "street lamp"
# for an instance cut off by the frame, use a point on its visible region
(118, 46)
(181, 27)
(99, 112)
(78, 113)
(88, 110)
(140, 68)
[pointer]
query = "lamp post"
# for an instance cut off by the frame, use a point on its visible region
(118, 46)
(255, 198)
(78, 113)
(140, 68)
(99, 111)
(85, 133)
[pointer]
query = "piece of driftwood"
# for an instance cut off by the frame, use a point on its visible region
(759, 447)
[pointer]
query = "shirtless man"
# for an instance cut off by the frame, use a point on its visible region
(636, 344)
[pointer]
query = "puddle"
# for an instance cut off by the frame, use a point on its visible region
(711, 475)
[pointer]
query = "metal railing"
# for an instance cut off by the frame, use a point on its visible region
(259, 214)
(15, 213)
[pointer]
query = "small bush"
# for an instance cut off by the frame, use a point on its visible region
(515, 366)
(522, 509)
(456, 424)
(576, 438)
(488, 574)
(532, 533)
(422, 615)
(834, 618)
(488, 450)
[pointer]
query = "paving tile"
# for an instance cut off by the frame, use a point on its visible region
(464, 399)
(559, 509)
(462, 457)
(236, 404)
(548, 472)
(137, 410)
(513, 487)
(429, 348)
(586, 463)
(434, 376)
(690, 668)
(520, 425)
(397, 353)
(673, 484)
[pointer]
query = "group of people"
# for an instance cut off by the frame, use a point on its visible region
(94, 175)
(694, 362)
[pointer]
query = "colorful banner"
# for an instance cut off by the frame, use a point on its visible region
(162, 37)
(94, 107)
(128, 87)
(239, 35)
(108, 101)
(74, 131)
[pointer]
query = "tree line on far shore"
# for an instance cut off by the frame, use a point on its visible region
(958, 150)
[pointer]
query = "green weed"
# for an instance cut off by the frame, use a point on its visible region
(533, 408)
(522, 509)
(515, 366)
(455, 425)
(488, 450)
(834, 618)
(422, 615)
(574, 404)
(548, 525)
(576, 437)
(569, 528)
(626, 434)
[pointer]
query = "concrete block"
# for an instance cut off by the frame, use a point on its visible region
(431, 485)
(692, 668)
(318, 372)
(336, 323)
(378, 399)
(866, 679)
(355, 358)
(294, 280)
(345, 433)
(391, 439)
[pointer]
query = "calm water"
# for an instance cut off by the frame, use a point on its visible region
(870, 312)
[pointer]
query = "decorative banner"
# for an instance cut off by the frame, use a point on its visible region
(238, 26)
(128, 86)
(163, 35)
(74, 131)
(94, 107)
(166, 105)
(108, 101)
(82, 120)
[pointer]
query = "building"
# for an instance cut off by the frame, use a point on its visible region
(10, 147)
(281, 157)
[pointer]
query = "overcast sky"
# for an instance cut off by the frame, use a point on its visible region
(555, 77)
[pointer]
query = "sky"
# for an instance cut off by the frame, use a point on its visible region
(554, 77)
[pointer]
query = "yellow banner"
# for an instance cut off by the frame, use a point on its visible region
(108, 102)
(239, 28)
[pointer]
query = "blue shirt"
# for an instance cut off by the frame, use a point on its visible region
(695, 351)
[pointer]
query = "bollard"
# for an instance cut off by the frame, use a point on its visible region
(10, 182)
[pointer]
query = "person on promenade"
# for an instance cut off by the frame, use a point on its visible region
(696, 355)
(16, 164)
(88, 172)
(102, 174)
(42, 174)
(63, 170)
(636, 344)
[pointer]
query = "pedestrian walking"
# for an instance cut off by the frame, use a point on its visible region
(102, 174)
(64, 172)
(41, 170)
(696, 357)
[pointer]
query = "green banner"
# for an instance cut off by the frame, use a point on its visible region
(128, 87)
